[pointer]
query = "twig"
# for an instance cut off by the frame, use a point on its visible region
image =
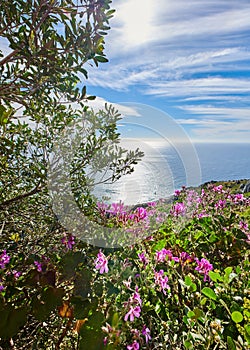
(21, 196)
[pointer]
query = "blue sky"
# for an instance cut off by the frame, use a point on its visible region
(190, 59)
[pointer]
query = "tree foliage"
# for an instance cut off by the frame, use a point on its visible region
(46, 46)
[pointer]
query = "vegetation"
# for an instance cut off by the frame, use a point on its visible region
(182, 284)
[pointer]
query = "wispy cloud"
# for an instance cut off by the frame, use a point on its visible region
(190, 56)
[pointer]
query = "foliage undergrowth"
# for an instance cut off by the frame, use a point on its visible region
(184, 286)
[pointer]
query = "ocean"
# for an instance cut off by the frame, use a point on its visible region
(165, 168)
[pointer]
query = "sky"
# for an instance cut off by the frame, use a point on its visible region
(187, 59)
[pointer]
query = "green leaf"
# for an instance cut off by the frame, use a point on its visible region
(188, 344)
(237, 316)
(208, 292)
(215, 276)
(83, 283)
(90, 340)
(193, 287)
(188, 281)
(70, 262)
(228, 270)
(12, 320)
(101, 59)
(82, 307)
(43, 305)
(191, 314)
(160, 245)
(91, 98)
(230, 343)
(91, 333)
(115, 319)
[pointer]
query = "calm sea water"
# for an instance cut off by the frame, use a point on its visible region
(164, 169)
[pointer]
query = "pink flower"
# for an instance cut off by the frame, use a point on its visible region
(16, 274)
(204, 267)
(128, 282)
(102, 207)
(185, 256)
(116, 208)
(177, 193)
(162, 254)
(243, 225)
(141, 213)
(134, 346)
(101, 263)
(4, 259)
(136, 298)
(238, 197)
(221, 204)
(161, 281)
(38, 266)
(151, 204)
(68, 241)
(132, 313)
(143, 258)
(218, 189)
(178, 208)
(202, 214)
(146, 332)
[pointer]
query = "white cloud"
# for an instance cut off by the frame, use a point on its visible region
(200, 87)
(124, 110)
(222, 112)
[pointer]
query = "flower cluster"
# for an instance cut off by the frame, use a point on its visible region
(145, 332)
(38, 266)
(134, 306)
(162, 281)
(178, 209)
(68, 241)
(101, 263)
(4, 259)
(204, 267)
(161, 255)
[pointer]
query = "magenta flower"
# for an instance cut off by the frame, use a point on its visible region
(238, 197)
(204, 267)
(16, 274)
(161, 281)
(151, 204)
(162, 254)
(146, 332)
(243, 225)
(171, 257)
(221, 204)
(134, 346)
(116, 208)
(38, 266)
(143, 258)
(218, 189)
(141, 213)
(4, 259)
(184, 256)
(178, 208)
(136, 298)
(102, 207)
(68, 241)
(202, 214)
(101, 263)
(1, 287)
(132, 313)
(177, 193)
